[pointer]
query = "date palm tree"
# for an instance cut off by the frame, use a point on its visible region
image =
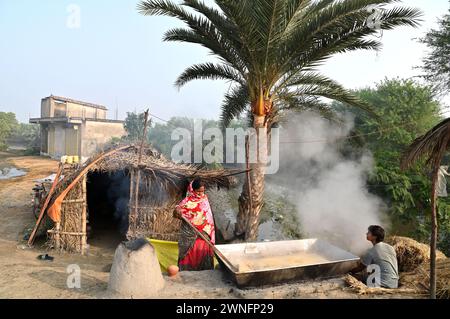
(270, 50)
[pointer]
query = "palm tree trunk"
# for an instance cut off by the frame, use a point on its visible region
(248, 216)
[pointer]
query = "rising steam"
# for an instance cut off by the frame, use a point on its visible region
(328, 189)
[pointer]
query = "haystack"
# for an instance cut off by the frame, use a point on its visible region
(419, 279)
(79, 197)
(410, 253)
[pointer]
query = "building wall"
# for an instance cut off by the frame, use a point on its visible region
(60, 141)
(76, 110)
(46, 108)
(51, 141)
(96, 134)
(59, 109)
(51, 108)
(44, 138)
(72, 142)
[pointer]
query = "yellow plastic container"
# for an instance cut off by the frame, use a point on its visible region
(76, 159)
(69, 160)
(167, 253)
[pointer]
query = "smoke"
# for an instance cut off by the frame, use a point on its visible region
(328, 189)
(118, 194)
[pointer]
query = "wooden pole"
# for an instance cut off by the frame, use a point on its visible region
(84, 218)
(51, 231)
(130, 202)
(57, 236)
(73, 201)
(249, 189)
(44, 207)
(433, 239)
(136, 194)
(434, 222)
(138, 172)
(218, 252)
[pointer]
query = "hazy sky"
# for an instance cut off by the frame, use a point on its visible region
(116, 58)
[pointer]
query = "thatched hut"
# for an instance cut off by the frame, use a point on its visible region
(102, 192)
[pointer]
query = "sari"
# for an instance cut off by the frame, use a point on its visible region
(194, 252)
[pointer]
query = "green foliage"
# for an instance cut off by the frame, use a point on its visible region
(20, 133)
(8, 123)
(134, 125)
(159, 135)
(436, 63)
(28, 135)
(279, 209)
(406, 110)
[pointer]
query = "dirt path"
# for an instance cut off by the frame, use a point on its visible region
(22, 275)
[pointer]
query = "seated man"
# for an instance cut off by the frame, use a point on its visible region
(380, 254)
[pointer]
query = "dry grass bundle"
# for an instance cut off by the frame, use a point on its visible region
(70, 221)
(361, 289)
(410, 253)
(420, 278)
(156, 222)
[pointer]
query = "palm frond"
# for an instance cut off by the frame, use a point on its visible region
(228, 31)
(235, 102)
(431, 146)
(202, 31)
(209, 71)
(313, 84)
(217, 46)
(340, 27)
(400, 16)
(163, 8)
(269, 46)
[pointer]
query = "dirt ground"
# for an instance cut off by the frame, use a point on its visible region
(22, 275)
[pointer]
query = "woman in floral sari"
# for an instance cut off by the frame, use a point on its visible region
(194, 252)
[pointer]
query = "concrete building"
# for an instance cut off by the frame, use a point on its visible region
(74, 128)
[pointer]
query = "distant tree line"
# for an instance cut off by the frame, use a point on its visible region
(13, 132)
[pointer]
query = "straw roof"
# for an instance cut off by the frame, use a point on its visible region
(155, 169)
(432, 145)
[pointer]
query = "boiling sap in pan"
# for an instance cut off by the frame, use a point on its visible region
(260, 261)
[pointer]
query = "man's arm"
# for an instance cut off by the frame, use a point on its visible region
(358, 268)
(363, 263)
